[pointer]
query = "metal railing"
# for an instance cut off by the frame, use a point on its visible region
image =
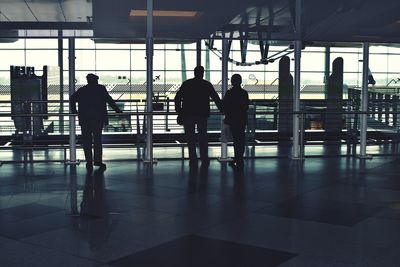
(263, 126)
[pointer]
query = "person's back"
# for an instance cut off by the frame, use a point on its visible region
(235, 106)
(196, 95)
(92, 102)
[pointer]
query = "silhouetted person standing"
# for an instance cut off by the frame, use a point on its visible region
(235, 105)
(192, 102)
(92, 101)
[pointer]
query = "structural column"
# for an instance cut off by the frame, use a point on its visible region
(149, 83)
(198, 53)
(296, 91)
(364, 102)
(327, 69)
(224, 88)
(61, 81)
(71, 72)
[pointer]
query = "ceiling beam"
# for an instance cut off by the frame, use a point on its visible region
(23, 25)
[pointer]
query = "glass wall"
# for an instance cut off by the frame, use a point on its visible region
(126, 63)
(122, 69)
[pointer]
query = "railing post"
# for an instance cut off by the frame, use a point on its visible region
(364, 104)
(302, 135)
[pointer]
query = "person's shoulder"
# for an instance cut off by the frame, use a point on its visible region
(207, 82)
(82, 87)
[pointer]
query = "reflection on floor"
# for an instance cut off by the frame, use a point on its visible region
(279, 212)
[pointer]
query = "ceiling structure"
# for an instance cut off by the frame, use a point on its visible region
(322, 20)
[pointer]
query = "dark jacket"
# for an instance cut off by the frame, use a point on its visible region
(235, 105)
(92, 100)
(193, 98)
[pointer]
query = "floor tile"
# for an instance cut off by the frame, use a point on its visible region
(200, 251)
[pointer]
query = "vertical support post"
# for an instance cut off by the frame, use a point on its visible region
(224, 88)
(71, 71)
(364, 102)
(296, 91)
(198, 53)
(207, 67)
(61, 81)
(149, 83)
(183, 63)
(327, 69)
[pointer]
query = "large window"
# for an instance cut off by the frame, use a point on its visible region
(126, 63)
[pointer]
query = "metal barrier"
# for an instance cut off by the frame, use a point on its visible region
(383, 125)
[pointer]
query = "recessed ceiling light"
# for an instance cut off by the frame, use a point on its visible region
(163, 13)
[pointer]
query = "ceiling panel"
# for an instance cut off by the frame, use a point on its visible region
(46, 10)
(16, 10)
(322, 20)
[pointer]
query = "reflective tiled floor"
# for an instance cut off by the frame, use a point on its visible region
(279, 212)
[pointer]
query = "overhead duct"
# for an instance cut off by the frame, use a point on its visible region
(8, 36)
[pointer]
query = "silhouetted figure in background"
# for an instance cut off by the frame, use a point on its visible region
(92, 99)
(235, 105)
(192, 102)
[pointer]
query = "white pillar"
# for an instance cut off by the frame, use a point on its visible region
(364, 103)
(224, 88)
(296, 88)
(72, 127)
(149, 83)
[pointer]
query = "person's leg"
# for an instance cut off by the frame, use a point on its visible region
(191, 139)
(235, 138)
(241, 142)
(98, 146)
(238, 135)
(87, 142)
(203, 139)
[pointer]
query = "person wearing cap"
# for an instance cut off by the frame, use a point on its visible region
(92, 102)
(235, 105)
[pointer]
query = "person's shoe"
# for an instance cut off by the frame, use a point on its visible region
(101, 165)
(238, 167)
(89, 167)
(193, 163)
(205, 163)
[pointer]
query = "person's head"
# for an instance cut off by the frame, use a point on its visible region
(236, 80)
(199, 72)
(92, 78)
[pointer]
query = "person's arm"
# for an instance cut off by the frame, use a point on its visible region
(225, 107)
(72, 102)
(111, 102)
(178, 100)
(215, 97)
(247, 101)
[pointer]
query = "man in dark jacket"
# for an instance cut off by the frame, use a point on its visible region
(235, 105)
(92, 101)
(192, 102)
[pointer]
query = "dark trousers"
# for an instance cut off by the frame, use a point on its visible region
(190, 122)
(91, 138)
(239, 141)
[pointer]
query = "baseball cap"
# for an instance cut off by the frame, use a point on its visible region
(92, 76)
